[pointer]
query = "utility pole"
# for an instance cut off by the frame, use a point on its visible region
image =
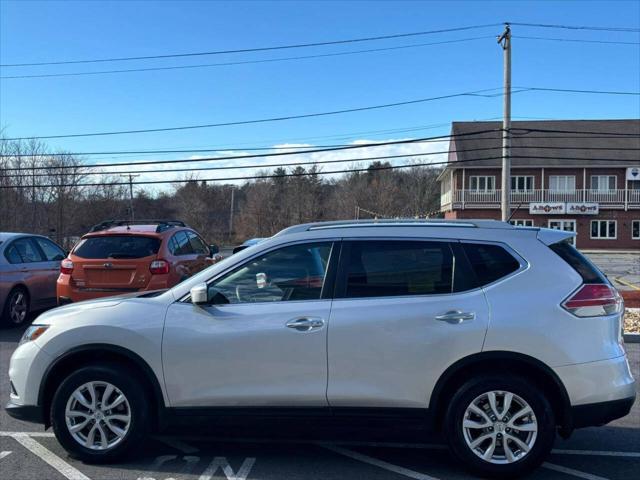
(233, 191)
(131, 214)
(505, 202)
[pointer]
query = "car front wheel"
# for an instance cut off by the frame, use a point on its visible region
(99, 414)
(500, 426)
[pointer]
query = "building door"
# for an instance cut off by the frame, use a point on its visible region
(566, 225)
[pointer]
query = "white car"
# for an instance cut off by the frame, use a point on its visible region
(498, 336)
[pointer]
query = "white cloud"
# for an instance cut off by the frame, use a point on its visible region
(435, 152)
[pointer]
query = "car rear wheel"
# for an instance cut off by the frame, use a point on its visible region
(500, 426)
(98, 414)
(16, 308)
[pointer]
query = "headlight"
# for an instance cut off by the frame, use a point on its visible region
(33, 332)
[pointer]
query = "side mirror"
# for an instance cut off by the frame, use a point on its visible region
(199, 294)
(213, 249)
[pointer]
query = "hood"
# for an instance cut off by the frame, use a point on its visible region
(79, 307)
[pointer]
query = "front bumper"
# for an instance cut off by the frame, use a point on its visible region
(595, 414)
(27, 413)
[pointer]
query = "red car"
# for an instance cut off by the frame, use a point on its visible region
(118, 257)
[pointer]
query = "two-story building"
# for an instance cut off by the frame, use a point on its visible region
(578, 175)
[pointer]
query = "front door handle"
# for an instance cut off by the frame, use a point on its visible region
(305, 324)
(456, 316)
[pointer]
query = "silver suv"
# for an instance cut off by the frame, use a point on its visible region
(498, 336)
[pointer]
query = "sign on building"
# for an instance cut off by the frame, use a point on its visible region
(548, 208)
(633, 173)
(583, 208)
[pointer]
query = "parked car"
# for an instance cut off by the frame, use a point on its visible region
(29, 266)
(496, 335)
(247, 243)
(118, 257)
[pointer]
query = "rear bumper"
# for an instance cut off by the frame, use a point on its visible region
(595, 414)
(27, 413)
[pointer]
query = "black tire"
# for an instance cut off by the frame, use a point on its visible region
(18, 294)
(528, 392)
(129, 385)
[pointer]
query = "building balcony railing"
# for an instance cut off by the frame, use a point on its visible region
(604, 197)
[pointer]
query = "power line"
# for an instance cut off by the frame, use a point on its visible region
(475, 93)
(461, 136)
(275, 154)
(319, 162)
(294, 174)
(244, 62)
(257, 49)
(577, 27)
(577, 40)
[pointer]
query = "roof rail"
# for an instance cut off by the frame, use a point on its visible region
(162, 224)
(399, 222)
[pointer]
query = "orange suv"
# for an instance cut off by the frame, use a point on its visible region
(118, 256)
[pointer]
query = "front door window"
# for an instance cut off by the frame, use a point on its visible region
(295, 272)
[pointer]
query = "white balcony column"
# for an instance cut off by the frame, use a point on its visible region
(626, 194)
(584, 184)
(542, 186)
(463, 187)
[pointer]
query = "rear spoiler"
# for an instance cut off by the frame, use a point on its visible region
(549, 236)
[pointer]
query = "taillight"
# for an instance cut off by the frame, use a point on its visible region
(66, 266)
(159, 267)
(594, 300)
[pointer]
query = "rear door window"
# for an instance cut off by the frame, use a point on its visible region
(489, 262)
(385, 268)
(51, 251)
(12, 255)
(181, 244)
(117, 246)
(27, 250)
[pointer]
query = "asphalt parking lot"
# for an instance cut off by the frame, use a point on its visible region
(268, 452)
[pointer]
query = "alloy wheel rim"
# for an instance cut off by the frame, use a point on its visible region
(98, 415)
(500, 427)
(18, 308)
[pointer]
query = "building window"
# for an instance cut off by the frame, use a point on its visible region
(603, 229)
(482, 183)
(562, 183)
(603, 183)
(522, 183)
(635, 229)
(521, 223)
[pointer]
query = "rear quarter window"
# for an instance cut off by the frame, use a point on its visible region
(117, 246)
(587, 270)
(490, 262)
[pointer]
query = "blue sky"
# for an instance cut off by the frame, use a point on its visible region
(41, 31)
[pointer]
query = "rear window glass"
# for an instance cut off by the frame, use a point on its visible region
(490, 262)
(392, 268)
(117, 246)
(587, 270)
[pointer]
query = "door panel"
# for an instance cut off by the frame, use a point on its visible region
(245, 355)
(389, 350)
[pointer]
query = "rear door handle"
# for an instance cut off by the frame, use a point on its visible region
(305, 324)
(456, 316)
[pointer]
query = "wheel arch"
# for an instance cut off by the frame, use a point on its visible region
(96, 353)
(506, 362)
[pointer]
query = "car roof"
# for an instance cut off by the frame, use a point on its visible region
(6, 236)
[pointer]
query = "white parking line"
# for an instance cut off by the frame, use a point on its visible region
(572, 472)
(48, 456)
(600, 453)
(378, 463)
(4, 454)
(223, 464)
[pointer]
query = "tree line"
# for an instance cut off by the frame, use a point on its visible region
(59, 206)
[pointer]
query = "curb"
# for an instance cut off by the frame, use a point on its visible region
(631, 338)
